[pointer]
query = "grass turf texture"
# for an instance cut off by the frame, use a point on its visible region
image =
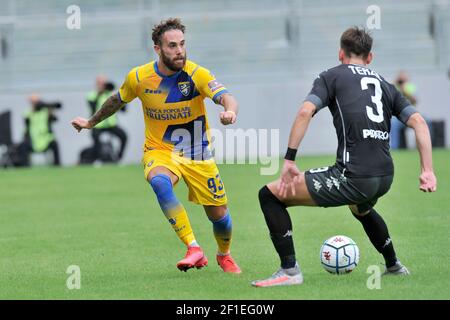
(107, 221)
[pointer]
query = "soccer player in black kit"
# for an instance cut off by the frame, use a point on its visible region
(362, 104)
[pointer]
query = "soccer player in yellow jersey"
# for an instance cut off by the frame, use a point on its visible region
(177, 143)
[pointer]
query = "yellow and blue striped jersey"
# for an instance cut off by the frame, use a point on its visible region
(173, 106)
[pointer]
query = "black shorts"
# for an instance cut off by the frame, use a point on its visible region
(329, 187)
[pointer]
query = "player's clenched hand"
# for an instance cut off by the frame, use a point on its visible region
(81, 123)
(227, 117)
(290, 176)
(427, 181)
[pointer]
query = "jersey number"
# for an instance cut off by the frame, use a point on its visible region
(375, 99)
(212, 185)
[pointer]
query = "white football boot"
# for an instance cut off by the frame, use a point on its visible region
(283, 277)
(397, 270)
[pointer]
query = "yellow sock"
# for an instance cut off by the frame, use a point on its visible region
(223, 244)
(172, 208)
(179, 220)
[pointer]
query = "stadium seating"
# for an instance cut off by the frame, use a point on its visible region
(238, 38)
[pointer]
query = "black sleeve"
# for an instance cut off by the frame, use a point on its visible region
(321, 94)
(403, 109)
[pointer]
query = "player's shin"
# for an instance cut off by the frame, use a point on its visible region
(280, 226)
(222, 232)
(173, 209)
(377, 231)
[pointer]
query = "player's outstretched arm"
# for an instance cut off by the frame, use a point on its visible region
(301, 123)
(423, 141)
(290, 174)
(111, 106)
(231, 109)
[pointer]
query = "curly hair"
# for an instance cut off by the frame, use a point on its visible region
(163, 26)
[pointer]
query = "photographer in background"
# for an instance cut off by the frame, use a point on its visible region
(398, 129)
(95, 99)
(39, 136)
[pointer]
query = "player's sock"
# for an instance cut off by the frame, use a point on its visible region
(193, 244)
(173, 209)
(222, 232)
(377, 231)
(280, 226)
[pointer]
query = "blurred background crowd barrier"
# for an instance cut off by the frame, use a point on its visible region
(266, 52)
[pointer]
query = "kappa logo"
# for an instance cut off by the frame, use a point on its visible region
(185, 88)
(388, 241)
(335, 182)
(288, 234)
(317, 185)
(329, 184)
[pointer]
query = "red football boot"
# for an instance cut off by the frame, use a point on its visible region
(194, 258)
(227, 263)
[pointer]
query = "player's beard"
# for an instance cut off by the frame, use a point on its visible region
(170, 63)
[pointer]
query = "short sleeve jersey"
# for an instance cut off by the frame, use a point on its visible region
(362, 104)
(173, 106)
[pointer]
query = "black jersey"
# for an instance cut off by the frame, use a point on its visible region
(362, 104)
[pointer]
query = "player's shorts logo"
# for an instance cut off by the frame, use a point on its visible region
(185, 88)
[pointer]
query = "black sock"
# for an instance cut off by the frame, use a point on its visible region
(378, 233)
(280, 226)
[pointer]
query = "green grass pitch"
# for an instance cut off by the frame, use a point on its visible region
(107, 221)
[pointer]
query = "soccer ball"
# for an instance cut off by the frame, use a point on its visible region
(339, 254)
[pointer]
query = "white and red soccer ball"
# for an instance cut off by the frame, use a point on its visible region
(339, 254)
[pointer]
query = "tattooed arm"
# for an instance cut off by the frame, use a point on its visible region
(111, 106)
